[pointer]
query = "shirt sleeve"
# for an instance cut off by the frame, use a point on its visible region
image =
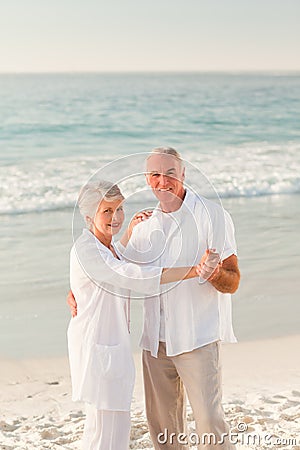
(136, 251)
(102, 267)
(220, 228)
(230, 247)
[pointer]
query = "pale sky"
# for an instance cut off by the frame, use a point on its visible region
(152, 35)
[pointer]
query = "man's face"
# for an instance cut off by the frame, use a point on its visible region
(165, 176)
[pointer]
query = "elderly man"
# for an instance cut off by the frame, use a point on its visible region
(184, 324)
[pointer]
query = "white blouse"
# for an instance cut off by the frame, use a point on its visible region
(101, 362)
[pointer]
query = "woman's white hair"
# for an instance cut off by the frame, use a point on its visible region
(91, 195)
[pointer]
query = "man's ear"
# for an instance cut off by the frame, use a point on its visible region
(147, 176)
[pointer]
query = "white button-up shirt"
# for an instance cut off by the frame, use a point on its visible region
(195, 314)
(101, 363)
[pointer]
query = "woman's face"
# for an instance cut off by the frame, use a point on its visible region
(109, 218)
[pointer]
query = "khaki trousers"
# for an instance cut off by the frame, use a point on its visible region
(165, 378)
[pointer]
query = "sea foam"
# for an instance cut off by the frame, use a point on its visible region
(239, 171)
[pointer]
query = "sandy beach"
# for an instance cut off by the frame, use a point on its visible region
(261, 386)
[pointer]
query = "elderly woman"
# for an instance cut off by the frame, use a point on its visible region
(101, 362)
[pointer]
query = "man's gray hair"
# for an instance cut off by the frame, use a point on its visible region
(167, 151)
(91, 195)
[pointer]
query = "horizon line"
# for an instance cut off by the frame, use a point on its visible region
(116, 72)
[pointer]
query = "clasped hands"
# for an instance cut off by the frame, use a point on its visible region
(208, 269)
(210, 265)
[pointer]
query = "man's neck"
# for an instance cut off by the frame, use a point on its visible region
(174, 205)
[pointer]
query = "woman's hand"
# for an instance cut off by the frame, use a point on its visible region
(137, 218)
(210, 265)
(72, 303)
(140, 216)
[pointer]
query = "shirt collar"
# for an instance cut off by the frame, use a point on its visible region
(188, 202)
(96, 241)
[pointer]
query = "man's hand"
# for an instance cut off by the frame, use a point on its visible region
(72, 303)
(224, 276)
(209, 266)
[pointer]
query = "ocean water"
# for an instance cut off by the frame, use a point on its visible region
(239, 135)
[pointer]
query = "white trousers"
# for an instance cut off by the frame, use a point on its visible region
(106, 430)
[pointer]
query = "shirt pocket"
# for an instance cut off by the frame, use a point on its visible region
(110, 361)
